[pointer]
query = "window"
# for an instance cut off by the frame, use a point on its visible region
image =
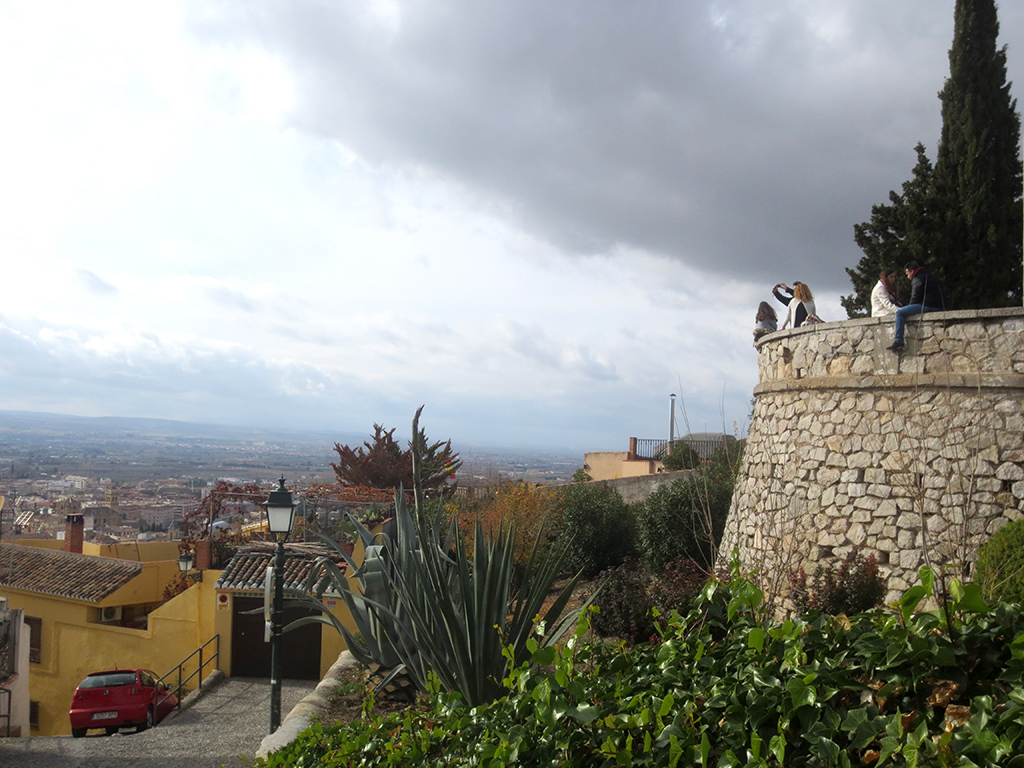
(33, 715)
(35, 639)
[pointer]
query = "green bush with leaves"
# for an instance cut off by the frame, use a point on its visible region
(1000, 565)
(597, 526)
(683, 519)
(727, 687)
(686, 519)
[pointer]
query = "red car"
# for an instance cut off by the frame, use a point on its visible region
(120, 697)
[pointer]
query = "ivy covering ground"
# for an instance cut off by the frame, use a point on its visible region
(725, 686)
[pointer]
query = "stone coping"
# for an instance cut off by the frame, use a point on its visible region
(927, 317)
(940, 381)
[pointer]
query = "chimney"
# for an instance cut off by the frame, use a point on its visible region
(203, 555)
(74, 533)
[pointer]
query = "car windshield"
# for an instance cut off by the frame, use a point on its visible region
(108, 680)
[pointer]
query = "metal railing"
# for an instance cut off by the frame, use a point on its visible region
(7, 636)
(185, 679)
(657, 450)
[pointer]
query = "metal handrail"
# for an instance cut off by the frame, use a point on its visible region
(179, 670)
(6, 714)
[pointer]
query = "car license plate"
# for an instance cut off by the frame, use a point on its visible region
(104, 715)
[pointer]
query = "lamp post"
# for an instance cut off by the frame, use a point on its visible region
(280, 511)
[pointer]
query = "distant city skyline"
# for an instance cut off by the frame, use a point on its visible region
(538, 220)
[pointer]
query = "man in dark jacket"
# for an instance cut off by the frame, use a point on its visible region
(925, 296)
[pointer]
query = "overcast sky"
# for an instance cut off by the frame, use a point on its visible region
(538, 219)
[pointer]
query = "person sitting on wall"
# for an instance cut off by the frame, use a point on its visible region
(926, 295)
(884, 301)
(766, 320)
(800, 303)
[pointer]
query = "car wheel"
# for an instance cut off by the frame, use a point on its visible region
(148, 722)
(78, 733)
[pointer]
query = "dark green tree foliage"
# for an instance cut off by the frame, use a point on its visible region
(600, 525)
(962, 218)
(978, 168)
(897, 233)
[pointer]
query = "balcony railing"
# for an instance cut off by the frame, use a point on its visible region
(641, 449)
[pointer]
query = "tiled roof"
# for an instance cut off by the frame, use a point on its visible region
(248, 568)
(64, 574)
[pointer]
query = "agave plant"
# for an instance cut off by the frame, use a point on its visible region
(426, 604)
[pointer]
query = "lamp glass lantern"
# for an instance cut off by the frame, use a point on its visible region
(185, 562)
(280, 510)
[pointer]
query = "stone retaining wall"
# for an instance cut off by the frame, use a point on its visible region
(915, 458)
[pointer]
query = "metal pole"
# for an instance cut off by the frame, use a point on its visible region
(672, 423)
(275, 638)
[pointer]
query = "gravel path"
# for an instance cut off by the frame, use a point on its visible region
(218, 729)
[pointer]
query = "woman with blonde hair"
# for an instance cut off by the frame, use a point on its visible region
(800, 303)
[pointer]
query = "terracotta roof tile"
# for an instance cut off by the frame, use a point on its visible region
(64, 574)
(247, 569)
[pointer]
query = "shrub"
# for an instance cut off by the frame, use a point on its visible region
(624, 602)
(524, 507)
(630, 593)
(678, 585)
(684, 519)
(682, 457)
(600, 526)
(1000, 566)
(854, 587)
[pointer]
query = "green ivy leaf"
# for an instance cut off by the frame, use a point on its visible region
(755, 639)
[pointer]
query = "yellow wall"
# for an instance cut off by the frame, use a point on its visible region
(139, 552)
(610, 465)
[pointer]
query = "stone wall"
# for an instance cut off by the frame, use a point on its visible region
(915, 458)
(634, 489)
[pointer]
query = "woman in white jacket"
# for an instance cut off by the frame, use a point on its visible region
(883, 295)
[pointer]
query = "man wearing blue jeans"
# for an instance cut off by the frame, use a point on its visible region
(925, 296)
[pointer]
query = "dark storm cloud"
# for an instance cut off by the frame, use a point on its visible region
(743, 137)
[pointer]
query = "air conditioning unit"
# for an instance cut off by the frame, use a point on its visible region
(109, 614)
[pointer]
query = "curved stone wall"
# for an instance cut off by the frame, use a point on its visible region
(915, 458)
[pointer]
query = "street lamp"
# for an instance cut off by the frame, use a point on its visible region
(185, 564)
(280, 508)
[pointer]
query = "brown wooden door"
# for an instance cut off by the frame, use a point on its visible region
(250, 654)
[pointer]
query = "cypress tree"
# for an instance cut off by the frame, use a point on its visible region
(978, 168)
(962, 218)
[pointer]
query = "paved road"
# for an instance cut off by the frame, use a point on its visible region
(217, 730)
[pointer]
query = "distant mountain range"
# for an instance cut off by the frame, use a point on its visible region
(28, 422)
